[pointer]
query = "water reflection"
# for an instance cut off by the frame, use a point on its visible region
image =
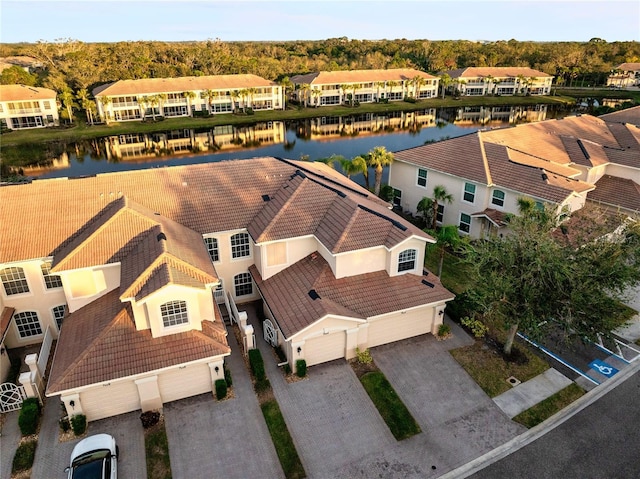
(312, 138)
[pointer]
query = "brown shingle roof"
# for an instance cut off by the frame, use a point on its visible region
(496, 72)
(615, 191)
(360, 76)
(629, 66)
(100, 343)
(25, 93)
(359, 297)
(498, 218)
(147, 86)
(628, 115)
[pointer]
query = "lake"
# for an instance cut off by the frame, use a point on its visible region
(310, 139)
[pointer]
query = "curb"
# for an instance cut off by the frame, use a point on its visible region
(541, 429)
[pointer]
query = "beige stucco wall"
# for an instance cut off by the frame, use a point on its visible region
(45, 108)
(624, 172)
(82, 286)
(361, 261)
(38, 299)
(296, 249)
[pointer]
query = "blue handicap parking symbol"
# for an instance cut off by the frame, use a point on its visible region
(603, 368)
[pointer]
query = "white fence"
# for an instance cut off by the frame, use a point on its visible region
(45, 350)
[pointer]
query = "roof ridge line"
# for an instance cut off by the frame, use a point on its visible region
(280, 212)
(485, 162)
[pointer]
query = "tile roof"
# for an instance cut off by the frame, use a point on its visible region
(496, 72)
(25, 93)
(498, 218)
(147, 86)
(628, 115)
(613, 190)
(100, 343)
(629, 66)
(360, 76)
(584, 152)
(359, 297)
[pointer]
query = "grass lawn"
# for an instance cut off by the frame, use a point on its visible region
(282, 441)
(456, 275)
(156, 447)
(487, 367)
(547, 408)
(391, 408)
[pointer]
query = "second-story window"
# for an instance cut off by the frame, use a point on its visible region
(212, 248)
(469, 192)
(240, 246)
(422, 177)
(51, 281)
(174, 313)
(14, 280)
(407, 260)
(497, 198)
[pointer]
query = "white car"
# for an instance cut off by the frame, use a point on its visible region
(95, 457)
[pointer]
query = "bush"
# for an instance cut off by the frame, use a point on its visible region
(64, 424)
(410, 99)
(280, 353)
(23, 460)
(287, 368)
(477, 327)
(262, 386)
(301, 368)
(364, 357)
(227, 377)
(149, 419)
(257, 364)
(29, 416)
(444, 330)
(79, 424)
(221, 389)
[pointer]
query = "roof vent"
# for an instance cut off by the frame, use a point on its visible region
(544, 177)
(427, 283)
(584, 150)
(266, 198)
(161, 236)
(313, 294)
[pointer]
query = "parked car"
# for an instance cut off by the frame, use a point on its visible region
(95, 457)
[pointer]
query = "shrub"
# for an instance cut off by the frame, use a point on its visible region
(301, 368)
(287, 368)
(364, 357)
(29, 416)
(149, 419)
(257, 364)
(262, 385)
(410, 99)
(227, 377)
(280, 353)
(23, 460)
(64, 424)
(221, 389)
(444, 330)
(79, 424)
(477, 327)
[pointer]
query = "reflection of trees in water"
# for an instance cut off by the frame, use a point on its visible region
(32, 154)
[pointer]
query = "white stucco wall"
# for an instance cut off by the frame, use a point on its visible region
(82, 286)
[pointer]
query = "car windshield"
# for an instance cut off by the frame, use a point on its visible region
(92, 465)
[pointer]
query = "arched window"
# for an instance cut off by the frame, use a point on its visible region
(14, 280)
(407, 260)
(174, 313)
(243, 284)
(28, 324)
(240, 246)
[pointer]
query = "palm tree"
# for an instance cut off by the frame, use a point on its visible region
(391, 84)
(250, 92)
(344, 87)
(520, 79)
(425, 208)
(379, 84)
(105, 101)
(417, 82)
(355, 87)
(235, 96)
(447, 238)
(190, 96)
(83, 96)
(154, 101)
(378, 158)
(67, 103)
(445, 81)
(162, 97)
(210, 95)
(316, 93)
(440, 196)
(354, 166)
(304, 93)
(488, 80)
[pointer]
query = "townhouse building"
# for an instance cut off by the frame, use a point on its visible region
(135, 278)
(363, 86)
(625, 75)
(23, 107)
(136, 100)
(481, 81)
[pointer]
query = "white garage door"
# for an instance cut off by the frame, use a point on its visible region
(182, 383)
(325, 348)
(106, 401)
(400, 326)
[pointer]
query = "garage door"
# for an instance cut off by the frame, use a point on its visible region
(325, 348)
(106, 401)
(182, 383)
(400, 326)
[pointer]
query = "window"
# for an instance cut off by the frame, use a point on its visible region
(397, 197)
(51, 281)
(212, 248)
(440, 213)
(58, 315)
(407, 260)
(240, 245)
(469, 192)
(497, 198)
(28, 324)
(47, 104)
(174, 313)
(422, 177)
(243, 284)
(14, 281)
(465, 223)
(218, 294)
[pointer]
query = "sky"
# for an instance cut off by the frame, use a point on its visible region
(275, 20)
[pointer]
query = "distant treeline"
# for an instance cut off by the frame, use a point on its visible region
(71, 64)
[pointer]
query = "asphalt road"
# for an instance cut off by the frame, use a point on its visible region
(600, 442)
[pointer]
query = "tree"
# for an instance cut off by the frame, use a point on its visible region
(316, 93)
(391, 84)
(353, 166)
(210, 95)
(440, 196)
(425, 209)
(190, 96)
(85, 104)
(377, 159)
(533, 280)
(343, 88)
(15, 75)
(447, 239)
(304, 93)
(417, 82)
(68, 104)
(105, 101)
(445, 82)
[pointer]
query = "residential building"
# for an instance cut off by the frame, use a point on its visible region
(625, 75)
(480, 81)
(24, 107)
(363, 86)
(28, 64)
(559, 163)
(131, 100)
(135, 278)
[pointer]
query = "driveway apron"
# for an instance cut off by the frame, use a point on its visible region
(9, 440)
(227, 439)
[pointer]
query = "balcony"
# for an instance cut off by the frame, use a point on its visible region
(125, 104)
(23, 111)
